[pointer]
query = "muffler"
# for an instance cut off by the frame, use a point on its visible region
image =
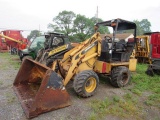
(39, 89)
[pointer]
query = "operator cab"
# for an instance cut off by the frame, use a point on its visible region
(118, 49)
(54, 40)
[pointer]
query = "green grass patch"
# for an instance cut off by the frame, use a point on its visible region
(153, 100)
(5, 55)
(9, 60)
(128, 105)
(14, 63)
(136, 91)
(143, 82)
(10, 98)
(121, 107)
(93, 116)
(1, 83)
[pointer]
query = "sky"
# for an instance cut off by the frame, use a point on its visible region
(29, 15)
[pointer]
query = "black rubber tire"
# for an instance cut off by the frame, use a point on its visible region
(156, 71)
(49, 62)
(27, 56)
(80, 81)
(120, 76)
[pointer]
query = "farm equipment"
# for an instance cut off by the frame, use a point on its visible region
(3, 45)
(55, 45)
(14, 40)
(41, 89)
(142, 49)
(154, 67)
(33, 48)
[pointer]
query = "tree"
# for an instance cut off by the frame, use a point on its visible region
(77, 27)
(82, 27)
(101, 29)
(143, 26)
(63, 22)
(33, 33)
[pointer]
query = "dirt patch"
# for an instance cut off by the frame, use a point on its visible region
(10, 108)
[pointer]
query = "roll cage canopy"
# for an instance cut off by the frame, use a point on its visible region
(119, 23)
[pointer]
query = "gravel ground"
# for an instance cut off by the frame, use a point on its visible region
(10, 108)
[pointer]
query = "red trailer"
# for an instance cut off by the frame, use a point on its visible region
(14, 40)
(155, 42)
(154, 54)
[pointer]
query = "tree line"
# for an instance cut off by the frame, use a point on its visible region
(79, 27)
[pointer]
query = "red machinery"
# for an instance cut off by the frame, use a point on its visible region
(154, 54)
(13, 39)
(3, 45)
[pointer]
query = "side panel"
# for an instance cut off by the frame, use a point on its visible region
(155, 41)
(102, 67)
(132, 65)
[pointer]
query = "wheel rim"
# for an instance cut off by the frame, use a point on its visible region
(124, 78)
(90, 84)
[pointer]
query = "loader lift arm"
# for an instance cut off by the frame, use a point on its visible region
(80, 56)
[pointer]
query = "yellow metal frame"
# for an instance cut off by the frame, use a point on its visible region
(140, 51)
(75, 61)
(63, 47)
(99, 65)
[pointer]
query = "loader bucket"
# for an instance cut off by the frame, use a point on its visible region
(39, 89)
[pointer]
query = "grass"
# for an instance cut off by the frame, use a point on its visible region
(10, 98)
(12, 61)
(1, 83)
(145, 83)
(129, 105)
(121, 107)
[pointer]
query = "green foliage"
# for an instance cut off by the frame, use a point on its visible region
(143, 26)
(78, 27)
(33, 34)
(82, 27)
(63, 22)
(102, 29)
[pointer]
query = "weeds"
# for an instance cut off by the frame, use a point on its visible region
(10, 98)
(12, 61)
(143, 82)
(1, 83)
(93, 116)
(128, 105)
(120, 107)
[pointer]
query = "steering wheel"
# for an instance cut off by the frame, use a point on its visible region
(108, 38)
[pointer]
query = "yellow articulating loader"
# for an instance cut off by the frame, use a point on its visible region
(41, 89)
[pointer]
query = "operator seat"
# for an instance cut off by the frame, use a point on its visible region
(120, 45)
(104, 50)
